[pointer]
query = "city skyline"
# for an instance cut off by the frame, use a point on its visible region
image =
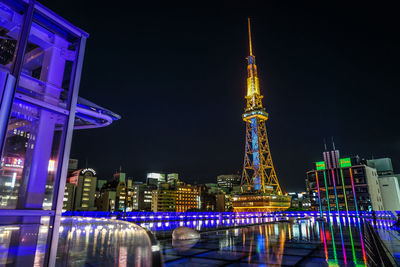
(162, 90)
(325, 72)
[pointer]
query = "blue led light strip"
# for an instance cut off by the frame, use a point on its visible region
(319, 196)
(327, 195)
(256, 153)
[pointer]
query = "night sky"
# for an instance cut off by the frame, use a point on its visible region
(177, 76)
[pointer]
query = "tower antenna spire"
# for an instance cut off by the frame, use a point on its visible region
(251, 49)
(259, 184)
(333, 144)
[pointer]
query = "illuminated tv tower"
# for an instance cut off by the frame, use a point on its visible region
(260, 190)
(258, 169)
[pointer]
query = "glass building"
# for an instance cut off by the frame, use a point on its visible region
(41, 57)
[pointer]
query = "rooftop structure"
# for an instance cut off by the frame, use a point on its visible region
(383, 165)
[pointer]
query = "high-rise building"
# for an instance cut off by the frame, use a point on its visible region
(390, 192)
(121, 197)
(187, 198)
(228, 181)
(213, 188)
(142, 195)
(388, 182)
(135, 191)
(155, 178)
(69, 197)
(146, 197)
(120, 189)
(85, 181)
(383, 166)
(163, 200)
(100, 183)
(223, 202)
(340, 184)
(72, 165)
(178, 198)
(207, 198)
(260, 187)
(123, 200)
(129, 194)
(173, 178)
(300, 200)
(120, 176)
(107, 200)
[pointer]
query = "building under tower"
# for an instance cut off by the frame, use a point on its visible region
(260, 189)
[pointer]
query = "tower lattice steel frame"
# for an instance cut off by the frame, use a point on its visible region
(258, 170)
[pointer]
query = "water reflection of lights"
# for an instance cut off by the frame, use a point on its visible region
(330, 234)
(11, 228)
(91, 236)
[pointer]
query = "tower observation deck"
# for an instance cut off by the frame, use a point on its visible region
(260, 189)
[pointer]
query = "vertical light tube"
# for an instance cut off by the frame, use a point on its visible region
(319, 196)
(334, 245)
(362, 242)
(327, 195)
(325, 247)
(352, 245)
(329, 214)
(358, 217)
(344, 193)
(334, 188)
(354, 191)
(337, 208)
(347, 213)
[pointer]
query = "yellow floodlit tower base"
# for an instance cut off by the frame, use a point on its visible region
(260, 190)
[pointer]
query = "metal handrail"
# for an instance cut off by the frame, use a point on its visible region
(379, 255)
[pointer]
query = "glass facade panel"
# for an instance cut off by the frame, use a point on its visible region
(41, 57)
(48, 63)
(27, 174)
(36, 130)
(25, 244)
(10, 27)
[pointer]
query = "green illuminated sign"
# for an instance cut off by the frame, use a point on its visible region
(320, 165)
(346, 162)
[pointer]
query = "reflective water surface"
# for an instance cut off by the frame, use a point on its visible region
(223, 242)
(302, 243)
(163, 229)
